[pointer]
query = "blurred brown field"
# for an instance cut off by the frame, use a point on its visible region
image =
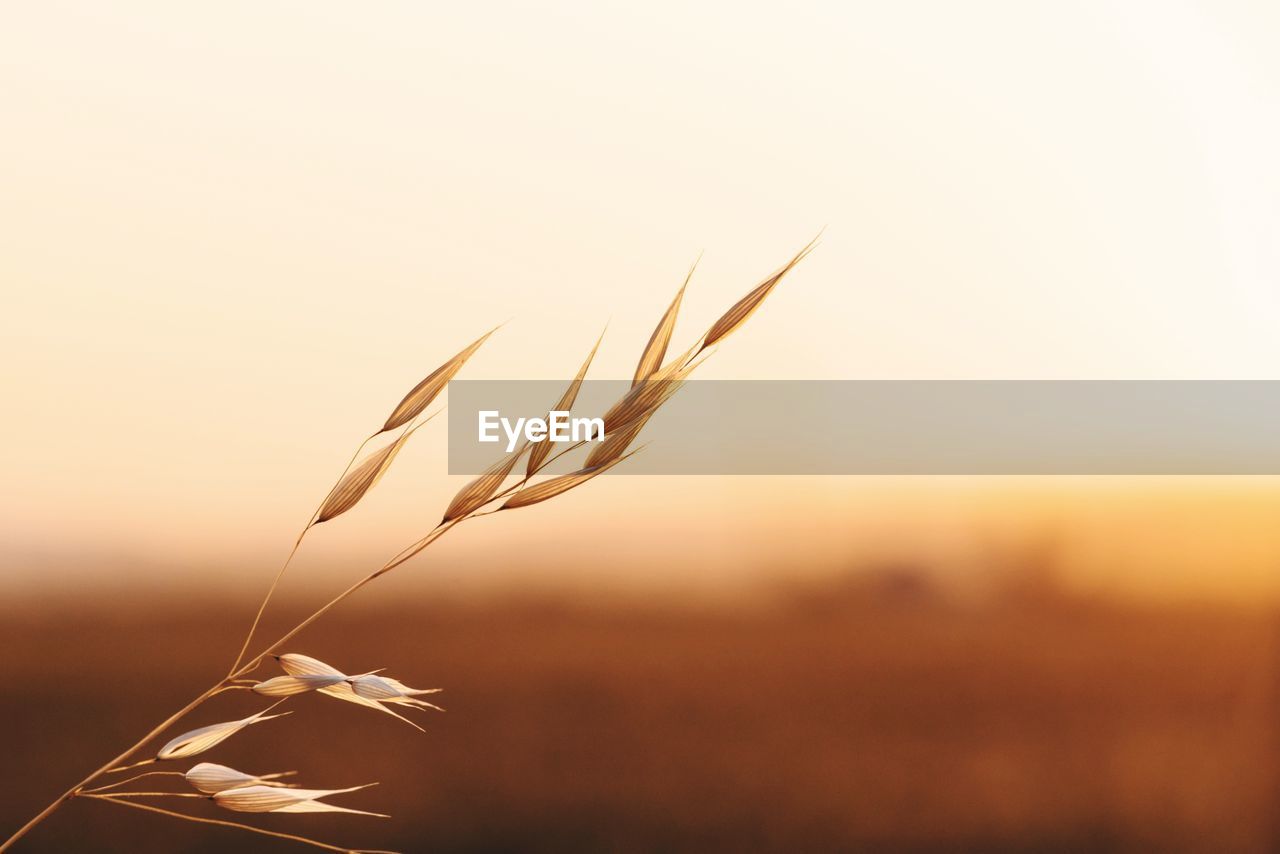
(879, 714)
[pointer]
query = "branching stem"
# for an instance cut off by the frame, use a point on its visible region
(233, 681)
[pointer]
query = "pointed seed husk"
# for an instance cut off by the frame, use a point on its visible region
(743, 308)
(479, 491)
(650, 394)
(616, 443)
(556, 485)
(656, 349)
(364, 477)
(211, 778)
(200, 740)
(321, 806)
(287, 686)
(387, 690)
(541, 449)
(420, 397)
(304, 665)
(274, 799)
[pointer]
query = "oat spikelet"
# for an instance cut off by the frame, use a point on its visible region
(321, 806)
(656, 350)
(287, 686)
(211, 778)
(642, 400)
(346, 693)
(296, 664)
(200, 740)
(541, 449)
(476, 493)
(426, 391)
(616, 443)
(743, 308)
(304, 665)
(362, 478)
(275, 799)
(652, 385)
(556, 485)
(651, 397)
(384, 689)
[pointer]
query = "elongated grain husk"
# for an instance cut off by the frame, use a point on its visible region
(556, 486)
(616, 443)
(272, 799)
(288, 686)
(321, 806)
(343, 691)
(656, 350)
(743, 308)
(209, 777)
(405, 690)
(364, 477)
(538, 454)
(420, 397)
(476, 493)
(647, 396)
(296, 664)
(200, 740)
(386, 689)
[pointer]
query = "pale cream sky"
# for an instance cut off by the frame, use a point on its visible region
(234, 234)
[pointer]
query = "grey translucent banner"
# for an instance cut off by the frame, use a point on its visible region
(906, 427)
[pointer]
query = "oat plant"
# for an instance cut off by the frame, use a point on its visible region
(504, 487)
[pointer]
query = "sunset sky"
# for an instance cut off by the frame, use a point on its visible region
(236, 234)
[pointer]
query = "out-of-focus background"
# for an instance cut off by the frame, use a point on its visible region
(235, 235)
(875, 713)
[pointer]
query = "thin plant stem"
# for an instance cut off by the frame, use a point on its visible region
(150, 761)
(400, 558)
(111, 767)
(404, 555)
(237, 670)
(275, 582)
(131, 779)
(266, 600)
(78, 787)
(311, 522)
(144, 795)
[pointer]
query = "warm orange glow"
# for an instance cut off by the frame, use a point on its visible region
(235, 237)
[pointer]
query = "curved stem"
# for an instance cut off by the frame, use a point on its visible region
(401, 557)
(239, 670)
(110, 795)
(76, 789)
(404, 555)
(131, 779)
(244, 647)
(217, 687)
(266, 600)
